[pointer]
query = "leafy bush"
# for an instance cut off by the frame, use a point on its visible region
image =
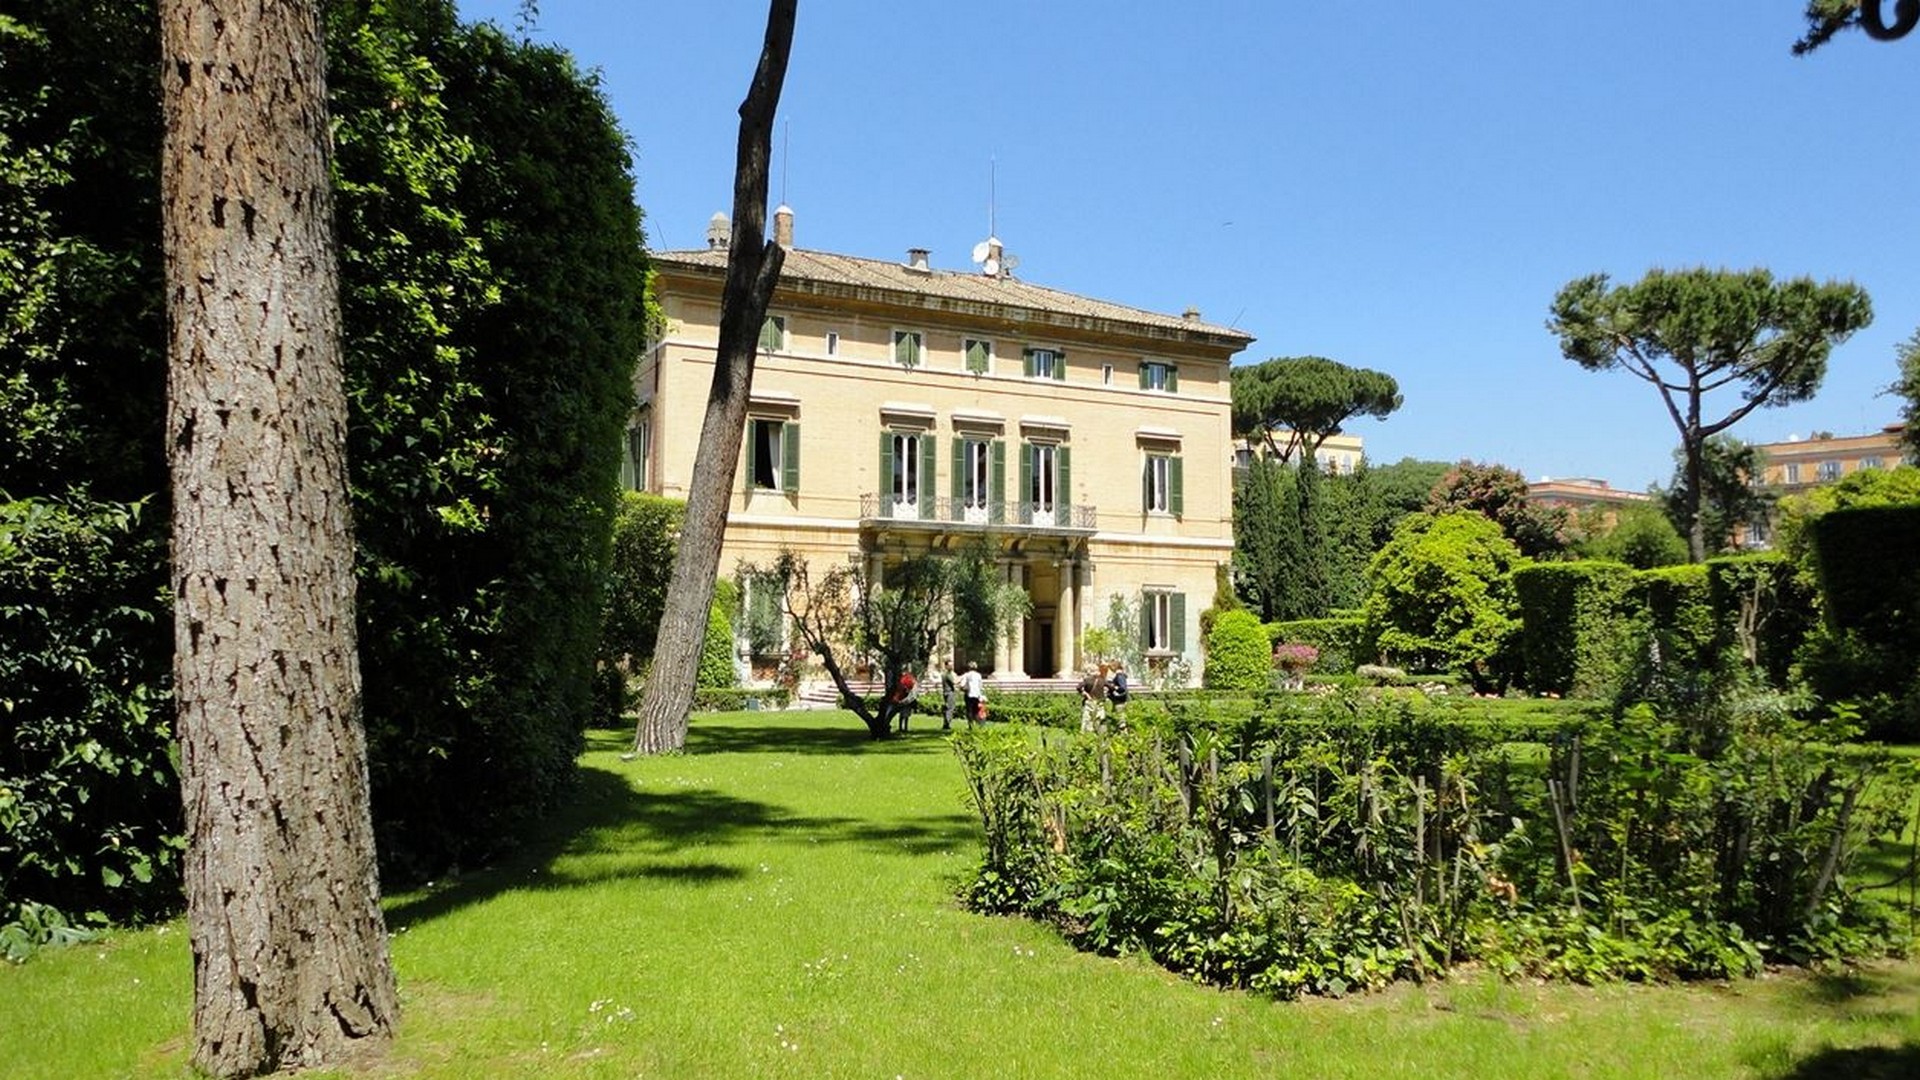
(1320, 846)
(735, 698)
(1869, 651)
(1237, 653)
(1443, 598)
(717, 671)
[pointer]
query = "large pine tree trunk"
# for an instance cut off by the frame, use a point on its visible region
(290, 961)
(753, 267)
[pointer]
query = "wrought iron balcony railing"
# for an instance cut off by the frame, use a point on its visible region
(1000, 514)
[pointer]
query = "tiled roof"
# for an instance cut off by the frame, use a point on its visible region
(846, 271)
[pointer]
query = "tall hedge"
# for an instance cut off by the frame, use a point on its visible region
(1679, 615)
(1578, 626)
(1870, 649)
(1338, 640)
(1762, 612)
(493, 291)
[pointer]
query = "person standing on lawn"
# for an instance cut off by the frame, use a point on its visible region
(1093, 699)
(949, 694)
(902, 700)
(972, 689)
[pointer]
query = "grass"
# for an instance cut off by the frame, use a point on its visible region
(778, 903)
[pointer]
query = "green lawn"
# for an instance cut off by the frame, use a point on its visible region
(778, 902)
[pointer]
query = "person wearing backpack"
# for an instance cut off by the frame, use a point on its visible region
(1117, 690)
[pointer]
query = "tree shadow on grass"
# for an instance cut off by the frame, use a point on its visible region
(1858, 1063)
(612, 831)
(802, 737)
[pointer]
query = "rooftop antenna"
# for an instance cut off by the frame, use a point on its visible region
(994, 262)
(786, 155)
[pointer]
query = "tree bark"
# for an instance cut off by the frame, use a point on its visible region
(290, 960)
(753, 266)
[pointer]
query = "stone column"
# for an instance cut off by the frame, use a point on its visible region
(1066, 617)
(1014, 652)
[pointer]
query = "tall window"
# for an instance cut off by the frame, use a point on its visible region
(636, 459)
(1872, 462)
(908, 348)
(1163, 621)
(1161, 487)
(1793, 472)
(1159, 375)
(905, 482)
(1829, 470)
(973, 470)
(833, 343)
(1040, 481)
(773, 455)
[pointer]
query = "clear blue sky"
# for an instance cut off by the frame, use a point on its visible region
(1396, 186)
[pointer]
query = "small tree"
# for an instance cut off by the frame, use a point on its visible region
(1501, 494)
(1907, 353)
(1307, 397)
(1443, 597)
(1642, 536)
(1729, 498)
(896, 620)
(1690, 333)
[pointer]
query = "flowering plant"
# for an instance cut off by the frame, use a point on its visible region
(1293, 657)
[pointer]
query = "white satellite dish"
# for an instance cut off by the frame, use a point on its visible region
(1008, 262)
(991, 267)
(982, 249)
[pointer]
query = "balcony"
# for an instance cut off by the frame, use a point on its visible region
(941, 514)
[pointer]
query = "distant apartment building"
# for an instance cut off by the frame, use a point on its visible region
(1578, 494)
(1798, 464)
(1338, 455)
(898, 409)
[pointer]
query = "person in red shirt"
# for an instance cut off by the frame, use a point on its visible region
(902, 700)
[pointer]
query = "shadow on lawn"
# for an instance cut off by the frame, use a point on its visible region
(612, 831)
(1859, 1063)
(804, 735)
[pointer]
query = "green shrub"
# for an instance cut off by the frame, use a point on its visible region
(717, 671)
(1869, 651)
(1324, 845)
(1337, 638)
(1238, 656)
(1762, 612)
(1578, 626)
(1443, 599)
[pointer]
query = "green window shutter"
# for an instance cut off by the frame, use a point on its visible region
(977, 357)
(1177, 621)
(753, 451)
(1173, 379)
(1026, 482)
(957, 480)
(1026, 362)
(885, 485)
(1146, 484)
(1063, 492)
(1060, 365)
(997, 481)
(790, 454)
(770, 334)
(1175, 502)
(1145, 609)
(927, 478)
(1143, 376)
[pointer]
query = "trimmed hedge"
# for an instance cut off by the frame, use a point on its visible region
(1869, 651)
(1762, 613)
(1337, 638)
(1680, 614)
(1577, 625)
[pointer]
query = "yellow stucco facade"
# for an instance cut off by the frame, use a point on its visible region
(898, 409)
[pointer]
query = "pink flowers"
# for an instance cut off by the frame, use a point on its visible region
(1294, 658)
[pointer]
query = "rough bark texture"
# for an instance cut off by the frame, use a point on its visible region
(753, 266)
(290, 961)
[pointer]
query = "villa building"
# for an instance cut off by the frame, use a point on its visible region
(1582, 494)
(1798, 464)
(898, 409)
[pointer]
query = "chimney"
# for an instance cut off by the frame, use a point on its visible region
(1192, 314)
(783, 226)
(917, 260)
(719, 232)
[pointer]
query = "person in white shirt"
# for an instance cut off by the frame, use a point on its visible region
(973, 689)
